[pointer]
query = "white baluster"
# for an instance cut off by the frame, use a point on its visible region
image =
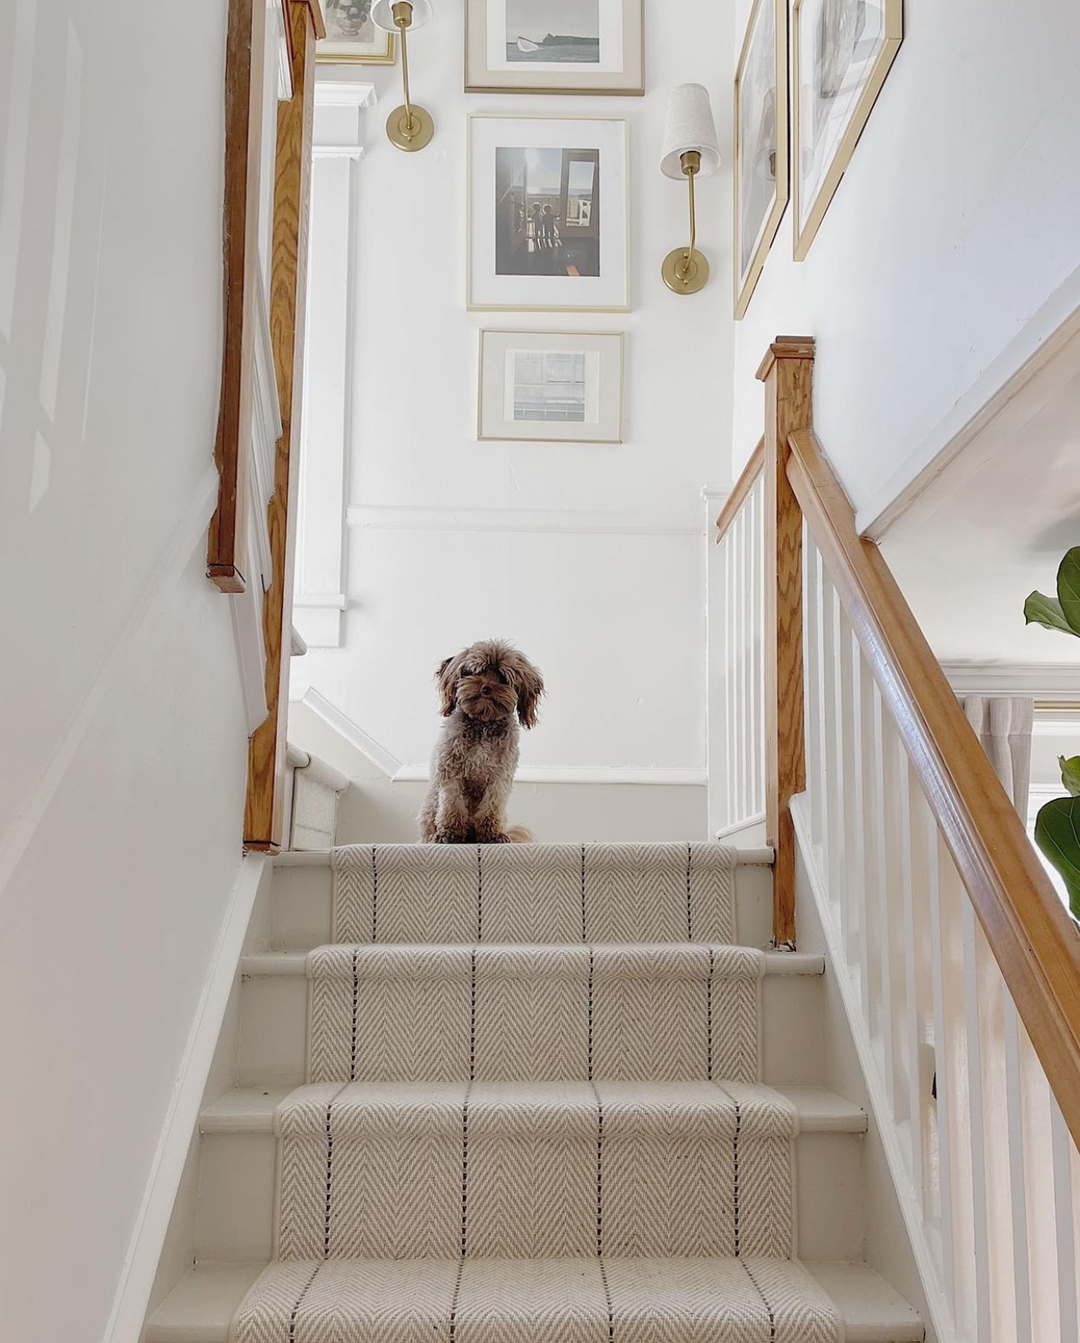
(1017, 1180)
(982, 1321)
(831, 761)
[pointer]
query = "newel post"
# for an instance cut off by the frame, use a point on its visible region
(787, 372)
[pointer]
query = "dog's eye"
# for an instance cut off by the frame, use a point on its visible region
(502, 679)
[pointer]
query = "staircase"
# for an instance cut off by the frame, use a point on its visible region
(547, 1092)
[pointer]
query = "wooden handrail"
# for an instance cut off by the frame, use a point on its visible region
(1029, 932)
(746, 482)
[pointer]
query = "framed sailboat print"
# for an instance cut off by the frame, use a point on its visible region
(555, 46)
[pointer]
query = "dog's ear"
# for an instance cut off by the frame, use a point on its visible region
(446, 678)
(530, 686)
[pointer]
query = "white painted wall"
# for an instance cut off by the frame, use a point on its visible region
(120, 715)
(957, 222)
(591, 558)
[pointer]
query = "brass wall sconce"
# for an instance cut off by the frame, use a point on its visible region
(690, 150)
(409, 127)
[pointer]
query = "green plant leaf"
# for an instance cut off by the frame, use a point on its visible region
(1039, 609)
(1057, 833)
(1068, 588)
(1070, 774)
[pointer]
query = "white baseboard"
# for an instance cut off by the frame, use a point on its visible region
(144, 1249)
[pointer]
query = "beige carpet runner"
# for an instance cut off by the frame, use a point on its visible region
(533, 1113)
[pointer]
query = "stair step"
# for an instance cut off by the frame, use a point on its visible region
(239, 1157)
(201, 1307)
(274, 1016)
(251, 1109)
(534, 893)
(520, 1012)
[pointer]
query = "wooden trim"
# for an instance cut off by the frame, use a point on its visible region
(315, 9)
(226, 553)
(264, 808)
(1027, 927)
(735, 500)
(787, 372)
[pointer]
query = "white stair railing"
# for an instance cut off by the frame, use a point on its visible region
(986, 1171)
(956, 961)
(740, 786)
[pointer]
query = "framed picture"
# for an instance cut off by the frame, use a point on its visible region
(550, 386)
(548, 214)
(351, 37)
(555, 46)
(841, 53)
(761, 142)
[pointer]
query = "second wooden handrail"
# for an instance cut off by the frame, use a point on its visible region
(1029, 932)
(746, 482)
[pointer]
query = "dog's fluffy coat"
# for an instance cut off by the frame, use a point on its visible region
(484, 692)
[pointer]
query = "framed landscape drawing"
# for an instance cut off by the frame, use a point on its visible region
(550, 386)
(555, 46)
(548, 214)
(841, 53)
(351, 37)
(761, 142)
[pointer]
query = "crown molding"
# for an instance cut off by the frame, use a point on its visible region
(1056, 681)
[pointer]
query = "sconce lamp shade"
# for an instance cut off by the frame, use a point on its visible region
(382, 14)
(689, 126)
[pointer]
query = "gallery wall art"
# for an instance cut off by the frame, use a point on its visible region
(555, 46)
(761, 142)
(842, 51)
(550, 386)
(351, 37)
(548, 214)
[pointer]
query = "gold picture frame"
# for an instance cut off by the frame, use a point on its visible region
(606, 382)
(876, 66)
(626, 79)
(336, 49)
(750, 251)
(505, 291)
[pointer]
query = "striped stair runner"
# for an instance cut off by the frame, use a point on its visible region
(533, 1113)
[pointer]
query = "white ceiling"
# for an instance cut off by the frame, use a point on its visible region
(995, 523)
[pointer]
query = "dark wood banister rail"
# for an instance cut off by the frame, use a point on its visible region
(1032, 938)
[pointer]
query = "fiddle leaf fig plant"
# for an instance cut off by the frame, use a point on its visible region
(1057, 826)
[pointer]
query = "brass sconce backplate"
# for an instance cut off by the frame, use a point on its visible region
(682, 278)
(410, 138)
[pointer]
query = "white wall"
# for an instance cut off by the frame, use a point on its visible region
(120, 714)
(957, 221)
(591, 558)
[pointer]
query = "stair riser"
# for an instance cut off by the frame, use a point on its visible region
(274, 1011)
(238, 1176)
(300, 907)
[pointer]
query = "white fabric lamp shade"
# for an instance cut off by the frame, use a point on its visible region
(382, 14)
(689, 126)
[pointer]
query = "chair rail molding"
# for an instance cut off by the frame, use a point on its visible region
(559, 521)
(1056, 681)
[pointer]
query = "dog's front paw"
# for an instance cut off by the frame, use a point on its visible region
(447, 836)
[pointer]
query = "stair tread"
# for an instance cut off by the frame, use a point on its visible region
(251, 1109)
(290, 963)
(761, 856)
(201, 1307)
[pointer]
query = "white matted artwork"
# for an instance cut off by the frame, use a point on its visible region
(555, 46)
(841, 52)
(761, 143)
(550, 386)
(351, 37)
(548, 214)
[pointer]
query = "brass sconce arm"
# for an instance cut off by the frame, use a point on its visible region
(691, 166)
(409, 127)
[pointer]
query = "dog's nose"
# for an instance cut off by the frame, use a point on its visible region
(485, 690)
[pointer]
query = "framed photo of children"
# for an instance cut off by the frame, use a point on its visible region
(548, 214)
(555, 46)
(352, 38)
(841, 52)
(550, 386)
(761, 142)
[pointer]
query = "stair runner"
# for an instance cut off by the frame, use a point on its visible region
(533, 1113)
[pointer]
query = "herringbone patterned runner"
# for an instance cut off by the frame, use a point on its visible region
(534, 893)
(534, 1113)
